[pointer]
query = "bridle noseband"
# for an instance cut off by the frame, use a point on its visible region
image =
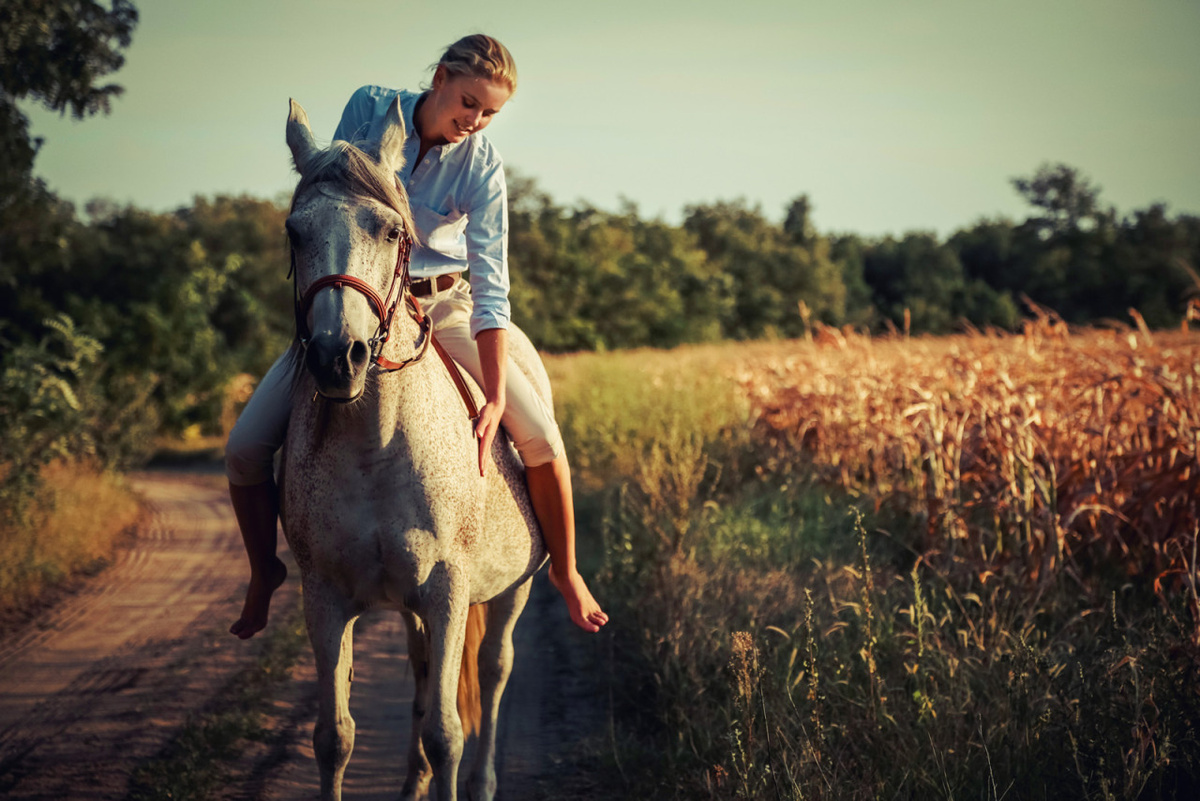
(383, 310)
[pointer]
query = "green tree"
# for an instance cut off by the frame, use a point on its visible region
(584, 279)
(253, 312)
(54, 52)
(1065, 197)
(148, 289)
(848, 252)
(653, 286)
(1149, 263)
(551, 279)
(996, 260)
(772, 268)
(918, 274)
(41, 408)
(1066, 245)
(797, 224)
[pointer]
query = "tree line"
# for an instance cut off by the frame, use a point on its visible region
(117, 323)
(184, 300)
(585, 278)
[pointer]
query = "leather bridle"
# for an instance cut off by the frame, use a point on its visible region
(384, 310)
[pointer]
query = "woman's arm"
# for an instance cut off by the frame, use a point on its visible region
(493, 358)
(487, 256)
(486, 232)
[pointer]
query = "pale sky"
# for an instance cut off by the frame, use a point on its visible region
(892, 115)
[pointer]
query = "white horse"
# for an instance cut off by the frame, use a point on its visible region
(383, 505)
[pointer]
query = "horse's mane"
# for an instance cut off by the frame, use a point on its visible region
(352, 169)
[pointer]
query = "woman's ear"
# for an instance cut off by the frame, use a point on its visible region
(439, 76)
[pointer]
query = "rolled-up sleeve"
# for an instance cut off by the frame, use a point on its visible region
(487, 250)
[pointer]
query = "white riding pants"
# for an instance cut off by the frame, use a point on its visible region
(262, 426)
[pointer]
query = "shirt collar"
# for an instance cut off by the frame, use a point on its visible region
(408, 108)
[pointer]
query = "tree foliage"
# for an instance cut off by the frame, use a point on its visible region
(41, 386)
(1064, 198)
(770, 268)
(585, 279)
(55, 52)
(182, 301)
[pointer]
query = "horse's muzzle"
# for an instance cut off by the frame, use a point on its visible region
(338, 365)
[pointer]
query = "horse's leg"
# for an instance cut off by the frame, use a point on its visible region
(495, 665)
(445, 613)
(416, 783)
(330, 631)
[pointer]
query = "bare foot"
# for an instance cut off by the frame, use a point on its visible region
(585, 612)
(258, 600)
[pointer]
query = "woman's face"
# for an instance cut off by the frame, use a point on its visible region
(458, 106)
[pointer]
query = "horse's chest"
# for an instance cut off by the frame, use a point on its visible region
(377, 511)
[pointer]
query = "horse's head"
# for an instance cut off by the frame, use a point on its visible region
(350, 229)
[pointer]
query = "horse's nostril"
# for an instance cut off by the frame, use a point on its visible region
(312, 359)
(358, 353)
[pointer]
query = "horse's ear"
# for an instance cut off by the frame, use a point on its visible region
(391, 141)
(299, 136)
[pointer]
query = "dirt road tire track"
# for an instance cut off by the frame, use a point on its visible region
(102, 681)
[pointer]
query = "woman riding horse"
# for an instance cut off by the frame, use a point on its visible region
(455, 183)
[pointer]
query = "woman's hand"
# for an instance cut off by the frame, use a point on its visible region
(486, 426)
(493, 359)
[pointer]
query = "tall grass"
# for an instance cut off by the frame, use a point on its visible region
(70, 527)
(959, 568)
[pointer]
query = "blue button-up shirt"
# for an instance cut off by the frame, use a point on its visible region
(459, 203)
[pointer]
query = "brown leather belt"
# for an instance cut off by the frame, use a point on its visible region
(424, 287)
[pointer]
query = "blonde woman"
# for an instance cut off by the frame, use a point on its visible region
(455, 184)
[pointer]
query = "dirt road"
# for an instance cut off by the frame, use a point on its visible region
(102, 682)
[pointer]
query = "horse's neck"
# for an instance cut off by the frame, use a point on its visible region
(402, 397)
(412, 401)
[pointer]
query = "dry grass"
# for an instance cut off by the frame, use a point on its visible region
(617, 409)
(1059, 453)
(71, 528)
(1014, 617)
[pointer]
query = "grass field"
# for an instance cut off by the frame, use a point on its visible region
(959, 568)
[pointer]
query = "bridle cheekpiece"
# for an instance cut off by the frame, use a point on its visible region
(384, 310)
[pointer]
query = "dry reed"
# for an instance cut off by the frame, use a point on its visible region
(1057, 452)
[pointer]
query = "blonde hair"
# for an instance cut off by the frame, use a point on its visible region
(481, 56)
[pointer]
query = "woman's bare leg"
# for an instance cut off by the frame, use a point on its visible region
(550, 490)
(256, 508)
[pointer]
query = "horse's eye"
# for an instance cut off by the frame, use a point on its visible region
(394, 234)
